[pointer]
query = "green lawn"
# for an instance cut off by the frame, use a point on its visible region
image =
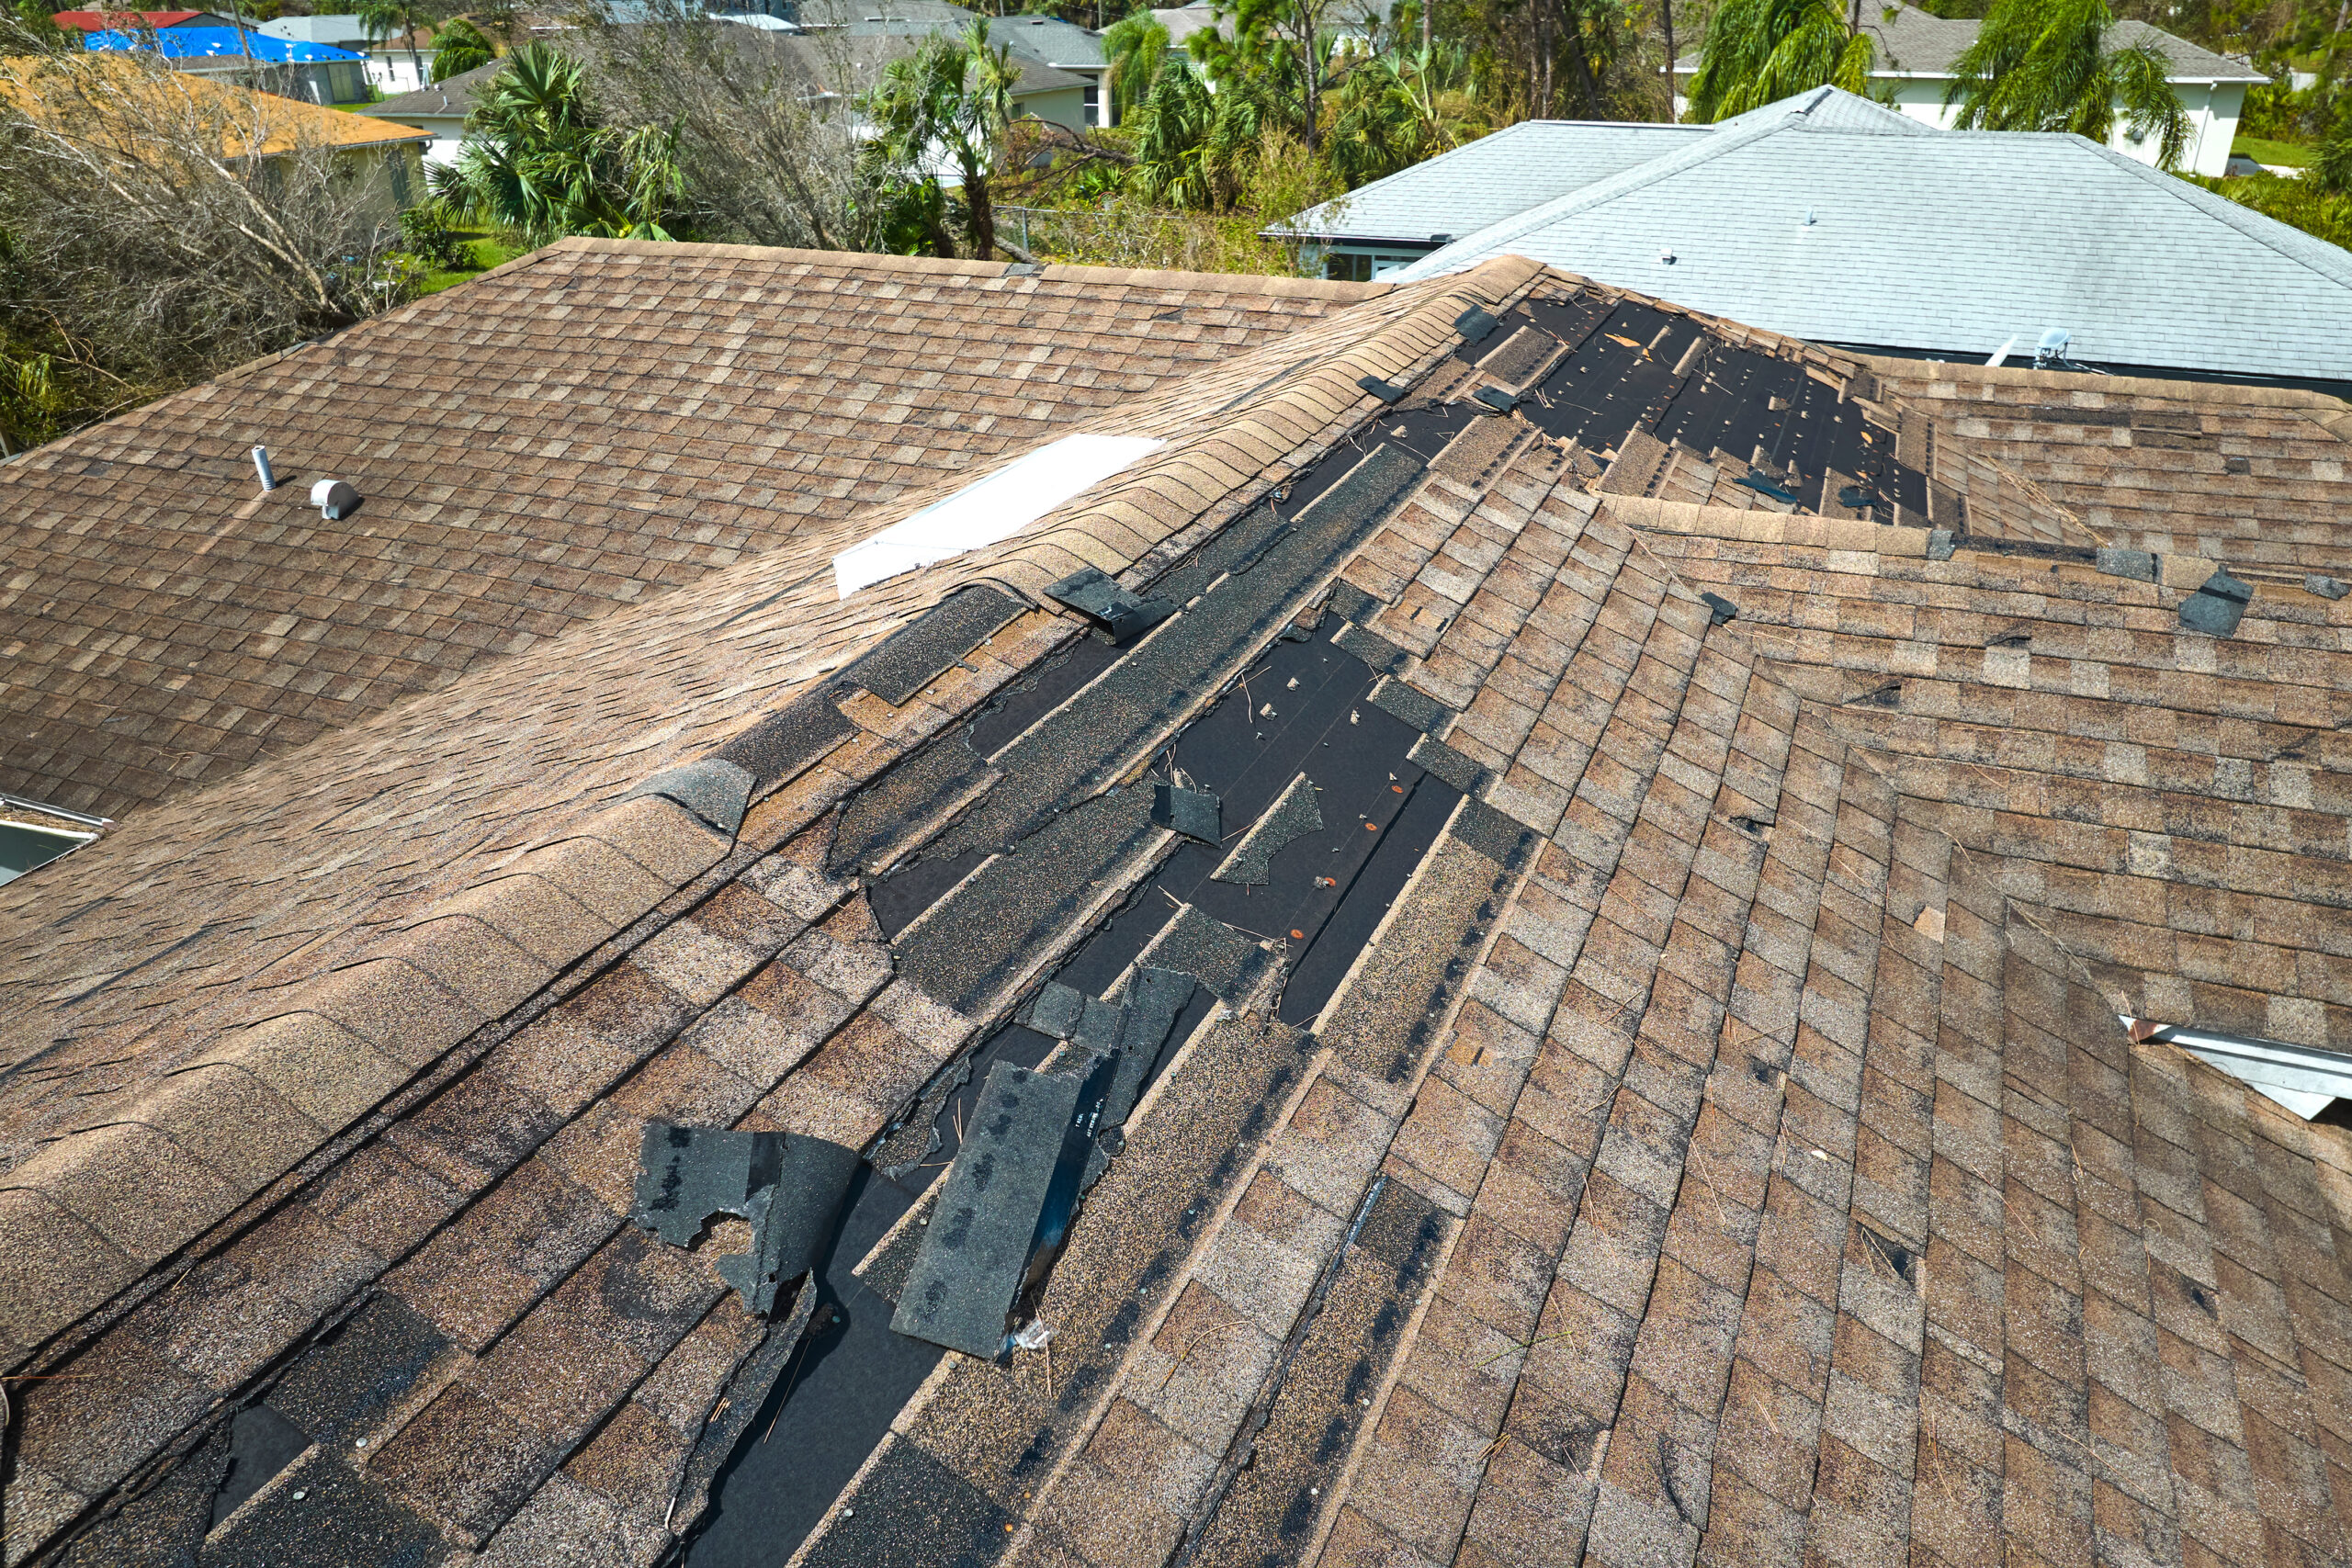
(2284, 154)
(488, 253)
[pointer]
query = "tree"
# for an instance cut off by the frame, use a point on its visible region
(951, 100)
(1137, 49)
(1395, 107)
(157, 228)
(765, 157)
(389, 19)
(1285, 39)
(2044, 65)
(542, 160)
(459, 47)
(1759, 52)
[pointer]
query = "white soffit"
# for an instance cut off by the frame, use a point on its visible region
(990, 508)
(2298, 1077)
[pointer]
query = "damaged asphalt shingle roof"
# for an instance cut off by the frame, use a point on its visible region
(1719, 1144)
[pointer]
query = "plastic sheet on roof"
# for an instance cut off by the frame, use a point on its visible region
(990, 508)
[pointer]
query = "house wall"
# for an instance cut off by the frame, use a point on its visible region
(1064, 107)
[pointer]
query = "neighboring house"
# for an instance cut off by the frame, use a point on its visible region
(1378, 987)
(837, 69)
(390, 67)
(439, 109)
(1952, 243)
(380, 155)
(318, 73)
(1061, 80)
(1916, 48)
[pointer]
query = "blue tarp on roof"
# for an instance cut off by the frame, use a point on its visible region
(189, 43)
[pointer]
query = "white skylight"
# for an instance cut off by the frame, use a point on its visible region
(990, 508)
(2298, 1077)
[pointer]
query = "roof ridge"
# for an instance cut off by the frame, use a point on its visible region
(950, 266)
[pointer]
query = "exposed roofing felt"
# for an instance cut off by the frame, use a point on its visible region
(1692, 1125)
(532, 449)
(2022, 233)
(1912, 42)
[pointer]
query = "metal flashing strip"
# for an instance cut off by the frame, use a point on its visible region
(2303, 1080)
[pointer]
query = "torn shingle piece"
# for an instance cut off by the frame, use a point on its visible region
(1100, 598)
(2140, 565)
(991, 1207)
(1443, 762)
(1417, 708)
(1222, 959)
(1500, 838)
(713, 788)
(1373, 650)
(1293, 815)
(1194, 813)
(791, 1220)
(1099, 1025)
(787, 742)
(2216, 608)
(1352, 603)
(934, 643)
(790, 1188)
(687, 1175)
(1057, 1010)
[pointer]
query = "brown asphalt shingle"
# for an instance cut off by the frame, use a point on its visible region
(1753, 1171)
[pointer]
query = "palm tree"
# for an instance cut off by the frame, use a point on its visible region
(1136, 48)
(541, 161)
(951, 99)
(1759, 52)
(389, 19)
(2044, 65)
(459, 47)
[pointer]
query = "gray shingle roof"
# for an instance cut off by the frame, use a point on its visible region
(1953, 241)
(1491, 179)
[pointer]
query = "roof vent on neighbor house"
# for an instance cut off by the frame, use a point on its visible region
(335, 498)
(2305, 1080)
